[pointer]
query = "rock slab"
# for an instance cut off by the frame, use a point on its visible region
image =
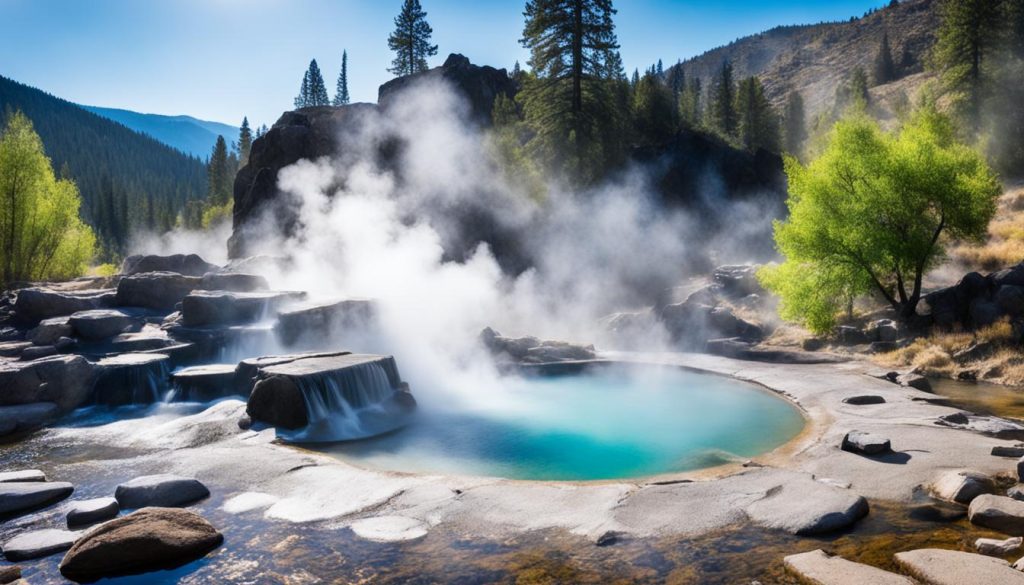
(146, 540)
(18, 497)
(950, 567)
(962, 486)
(37, 544)
(818, 568)
(85, 512)
(23, 475)
(160, 490)
(996, 547)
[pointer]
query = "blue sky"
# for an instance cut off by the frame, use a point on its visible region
(222, 59)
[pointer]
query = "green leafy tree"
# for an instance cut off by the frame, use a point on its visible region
(244, 142)
(654, 113)
(883, 69)
(870, 214)
(567, 102)
(411, 40)
(41, 235)
(794, 125)
(758, 124)
(723, 103)
(341, 92)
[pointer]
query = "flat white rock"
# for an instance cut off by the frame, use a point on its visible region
(950, 567)
(817, 568)
(389, 529)
(22, 475)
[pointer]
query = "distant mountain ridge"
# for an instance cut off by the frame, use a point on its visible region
(814, 59)
(187, 134)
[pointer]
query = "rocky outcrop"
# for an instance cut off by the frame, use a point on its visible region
(315, 323)
(187, 264)
(206, 308)
(32, 305)
(155, 290)
(951, 567)
(146, 540)
(978, 300)
(160, 490)
(819, 568)
(530, 350)
(479, 85)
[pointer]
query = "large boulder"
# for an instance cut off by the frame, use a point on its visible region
(155, 290)
(35, 304)
(865, 443)
(999, 513)
(64, 380)
(480, 86)
(187, 264)
(160, 490)
(146, 540)
(208, 308)
(323, 392)
(99, 324)
(952, 567)
(530, 350)
(19, 497)
(233, 281)
(962, 486)
(131, 378)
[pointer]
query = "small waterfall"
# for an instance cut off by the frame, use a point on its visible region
(132, 379)
(352, 403)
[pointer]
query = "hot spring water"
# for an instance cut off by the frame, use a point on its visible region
(602, 424)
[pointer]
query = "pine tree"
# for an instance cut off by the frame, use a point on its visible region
(411, 40)
(635, 80)
(302, 100)
(723, 103)
(758, 125)
(795, 128)
(219, 174)
(690, 112)
(653, 111)
(341, 92)
(659, 70)
(317, 88)
(244, 142)
(567, 105)
(884, 68)
(966, 38)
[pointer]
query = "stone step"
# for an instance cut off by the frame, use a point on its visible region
(950, 567)
(818, 568)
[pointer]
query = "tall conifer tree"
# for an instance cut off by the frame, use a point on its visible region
(244, 142)
(884, 67)
(341, 92)
(411, 40)
(723, 103)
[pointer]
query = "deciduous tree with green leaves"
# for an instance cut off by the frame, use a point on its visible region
(871, 214)
(41, 235)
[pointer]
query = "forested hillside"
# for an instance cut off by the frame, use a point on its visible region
(127, 180)
(187, 134)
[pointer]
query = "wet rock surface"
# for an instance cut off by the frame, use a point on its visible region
(233, 281)
(15, 420)
(206, 308)
(163, 490)
(530, 350)
(155, 290)
(320, 321)
(18, 497)
(131, 378)
(24, 475)
(86, 512)
(205, 383)
(146, 540)
(102, 323)
(38, 543)
(63, 380)
(32, 305)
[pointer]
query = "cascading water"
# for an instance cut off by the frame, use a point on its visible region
(352, 403)
(132, 379)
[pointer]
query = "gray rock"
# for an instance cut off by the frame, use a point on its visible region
(22, 476)
(829, 510)
(131, 378)
(1020, 469)
(999, 513)
(737, 281)
(996, 547)
(864, 400)
(38, 352)
(35, 304)
(188, 265)
(605, 537)
(160, 490)
(884, 330)
(13, 349)
(950, 567)
(865, 443)
(812, 344)
(65, 344)
(314, 324)
(847, 335)
(150, 338)
(916, 381)
(146, 540)
(1016, 492)
(233, 281)
(18, 497)
(957, 418)
(38, 544)
(983, 312)
(530, 350)
(49, 331)
(24, 418)
(85, 512)
(1010, 300)
(204, 383)
(102, 323)
(155, 290)
(819, 568)
(883, 346)
(64, 380)
(11, 575)
(206, 308)
(962, 486)
(999, 428)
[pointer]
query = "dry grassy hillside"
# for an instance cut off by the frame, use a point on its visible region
(815, 59)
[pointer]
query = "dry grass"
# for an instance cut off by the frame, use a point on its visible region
(949, 354)
(1005, 244)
